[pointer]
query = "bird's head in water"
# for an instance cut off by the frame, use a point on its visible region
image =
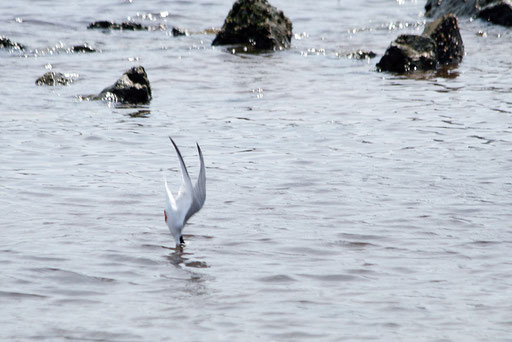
(176, 233)
(180, 242)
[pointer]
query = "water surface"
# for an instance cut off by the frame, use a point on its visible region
(342, 203)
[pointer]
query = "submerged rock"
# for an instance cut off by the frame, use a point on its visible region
(85, 48)
(9, 44)
(255, 23)
(53, 78)
(133, 87)
(360, 54)
(176, 32)
(445, 33)
(409, 53)
(499, 12)
(109, 25)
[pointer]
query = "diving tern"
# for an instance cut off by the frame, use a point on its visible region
(189, 201)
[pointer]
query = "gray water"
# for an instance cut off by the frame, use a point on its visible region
(342, 203)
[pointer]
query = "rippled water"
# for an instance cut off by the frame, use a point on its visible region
(342, 203)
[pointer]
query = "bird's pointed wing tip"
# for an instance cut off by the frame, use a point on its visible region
(176, 148)
(172, 142)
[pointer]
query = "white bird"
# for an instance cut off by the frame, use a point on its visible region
(189, 201)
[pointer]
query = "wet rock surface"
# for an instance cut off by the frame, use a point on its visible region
(445, 33)
(53, 78)
(132, 88)
(9, 44)
(409, 53)
(255, 23)
(109, 25)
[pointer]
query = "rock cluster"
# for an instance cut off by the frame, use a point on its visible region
(439, 44)
(257, 25)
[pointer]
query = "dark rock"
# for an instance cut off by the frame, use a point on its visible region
(499, 12)
(53, 78)
(495, 11)
(176, 32)
(255, 23)
(437, 8)
(83, 48)
(445, 33)
(9, 44)
(409, 53)
(360, 54)
(133, 87)
(109, 25)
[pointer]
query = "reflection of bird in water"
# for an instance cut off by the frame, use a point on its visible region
(189, 201)
(178, 258)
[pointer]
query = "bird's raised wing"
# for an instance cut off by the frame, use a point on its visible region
(199, 190)
(185, 197)
(171, 202)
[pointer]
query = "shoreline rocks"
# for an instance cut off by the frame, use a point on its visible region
(257, 24)
(53, 78)
(133, 88)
